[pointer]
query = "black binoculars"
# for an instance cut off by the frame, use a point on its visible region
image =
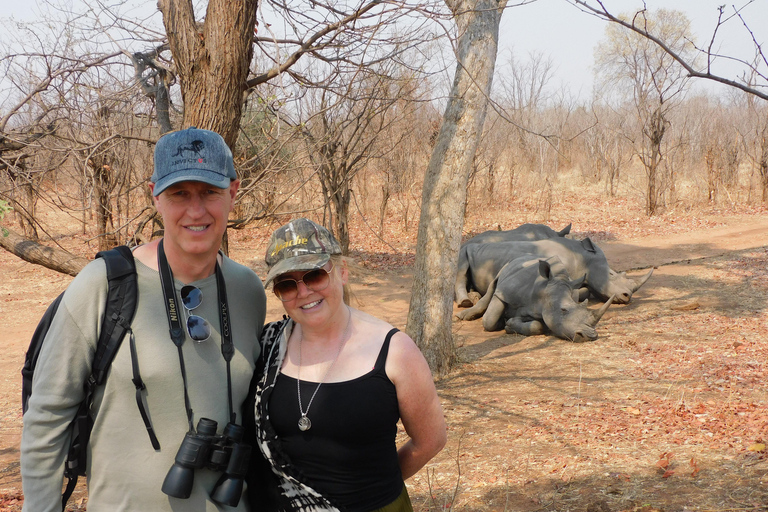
(205, 449)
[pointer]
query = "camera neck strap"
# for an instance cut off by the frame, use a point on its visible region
(177, 329)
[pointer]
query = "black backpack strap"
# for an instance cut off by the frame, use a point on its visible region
(121, 307)
(140, 387)
(30, 359)
(71, 484)
(122, 298)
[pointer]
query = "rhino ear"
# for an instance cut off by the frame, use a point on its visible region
(578, 283)
(545, 270)
(588, 245)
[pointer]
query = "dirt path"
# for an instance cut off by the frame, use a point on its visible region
(663, 410)
(738, 234)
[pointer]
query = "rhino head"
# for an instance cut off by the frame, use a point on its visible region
(565, 317)
(622, 286)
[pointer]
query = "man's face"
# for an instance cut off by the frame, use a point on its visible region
(195, 215)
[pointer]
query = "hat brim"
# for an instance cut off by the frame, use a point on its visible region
(297, 264)
(211, 178)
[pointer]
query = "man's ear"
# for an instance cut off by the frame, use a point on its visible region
(233, 188)
(152, 191)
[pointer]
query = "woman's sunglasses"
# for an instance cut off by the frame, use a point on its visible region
(198, 327)
(316, 280)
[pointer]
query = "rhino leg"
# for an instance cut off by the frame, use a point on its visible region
(493, 319)
(478, 309)
(462, 281)
(531, 328)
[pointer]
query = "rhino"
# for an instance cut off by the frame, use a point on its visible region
(480, 263)
(523, 233)
(532, 296)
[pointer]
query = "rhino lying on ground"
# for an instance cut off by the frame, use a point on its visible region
(480, 263)
(535, 296)
(522, 233)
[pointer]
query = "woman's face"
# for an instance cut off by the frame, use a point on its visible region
(315, 308)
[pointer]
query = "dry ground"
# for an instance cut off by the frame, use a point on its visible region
(665, 411)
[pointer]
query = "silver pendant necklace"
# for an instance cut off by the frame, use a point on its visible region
(304, 422)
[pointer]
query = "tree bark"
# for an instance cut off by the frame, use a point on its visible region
(445, 184)
(212, 61)
(654, 132)
(34, 252)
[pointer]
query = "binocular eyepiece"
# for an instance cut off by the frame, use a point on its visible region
(205, 449)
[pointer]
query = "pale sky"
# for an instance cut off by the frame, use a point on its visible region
(568, 36)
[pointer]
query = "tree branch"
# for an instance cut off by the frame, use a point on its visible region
(602, 12)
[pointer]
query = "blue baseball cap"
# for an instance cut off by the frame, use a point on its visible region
(192, 155)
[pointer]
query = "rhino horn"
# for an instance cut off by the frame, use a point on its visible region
(640, 282)
(600, 312)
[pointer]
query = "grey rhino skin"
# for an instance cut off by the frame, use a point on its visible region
(523, 233)
(480, 263)
(532, 296)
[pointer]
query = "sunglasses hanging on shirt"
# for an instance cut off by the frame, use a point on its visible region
(198, 328)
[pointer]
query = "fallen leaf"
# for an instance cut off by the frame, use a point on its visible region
(694, 466)
(664, 460)
(686, 307)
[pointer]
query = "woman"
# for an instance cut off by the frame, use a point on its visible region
(330, 387)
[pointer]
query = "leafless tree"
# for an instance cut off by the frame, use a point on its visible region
(753, 135)
(634, 66)
(399, 173)
(345, 128)
(194, 69)
(753, 77)
(607, 146)
(445, 183)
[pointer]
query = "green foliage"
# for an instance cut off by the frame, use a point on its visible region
(4, 208)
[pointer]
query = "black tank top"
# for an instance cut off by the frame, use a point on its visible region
(349, 454)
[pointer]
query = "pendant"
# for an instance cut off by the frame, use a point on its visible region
(304, 423)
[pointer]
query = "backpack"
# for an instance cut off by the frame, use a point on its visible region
(120, 309)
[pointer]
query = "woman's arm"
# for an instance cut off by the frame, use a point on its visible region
(420, 409)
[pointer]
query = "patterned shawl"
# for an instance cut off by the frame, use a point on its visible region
(293, 495)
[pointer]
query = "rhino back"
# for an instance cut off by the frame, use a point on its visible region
(524, 233)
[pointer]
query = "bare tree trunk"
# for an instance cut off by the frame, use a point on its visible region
(23, 198)
(39, 254)
(385, 194)
(712, 175)
(341, 200)
(763, 163)
(212, 60)
(102, 189)
(445, 183)
(655, 134)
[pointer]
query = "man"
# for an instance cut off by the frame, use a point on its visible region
(193, 186)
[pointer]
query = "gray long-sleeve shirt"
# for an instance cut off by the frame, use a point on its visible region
(124, 471)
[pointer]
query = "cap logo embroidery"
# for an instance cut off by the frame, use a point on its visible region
(195, 147)
(289, 243)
